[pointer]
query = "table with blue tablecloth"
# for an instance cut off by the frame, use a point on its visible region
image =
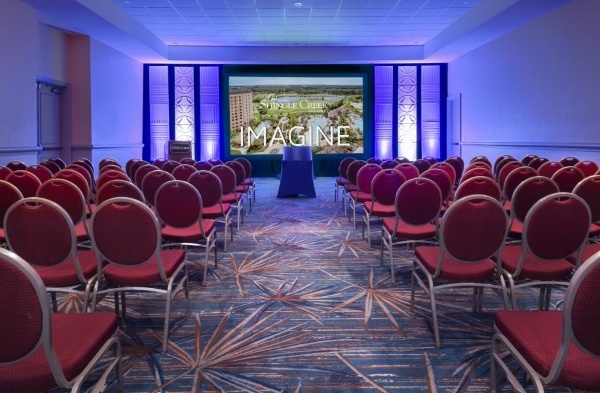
(297, 177)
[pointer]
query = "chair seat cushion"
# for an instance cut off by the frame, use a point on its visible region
(215, 210)
(92, 330)
(594, 229)
(81, 232)
(232, 197)
(64, 274)
(407, 231)
(588, 250)
(249, 181)
(516, 229)
(534, 268)
(523, 328)
(349, 187)
(147, 273)
(452, 269)
(190, 234)
(361, 197)
(380, 210)
(242, 188)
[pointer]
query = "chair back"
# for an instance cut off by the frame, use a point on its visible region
(442, 179)
(87, 165)
(126, 232)
(67, 195)
(353, 169)
(215, 161)
(569, 161)
(431, 160)
(247, 166)
(343, 167)
(179, 204)
(478, 164)
(401, 160)
(374, 160)
(111, 167)
(25, 181)
(477, 171)
(365, 176)
(385, 185)
(129, 165)
(83, 172)
(25, 322)
(9, 194)
(501, 161)
(227, 177)
(209, 186)
(549, 168)
(408, 170)
(556, 227)
(204, 165)
(528, 158)
(159, 162)
(134, 166)
(52, 166)
(446, 167)
(418, 201)
(506, 170)
(58, 161)
(41, 232)
(187, 161)
(483, 159)
(141, 172)
(240, 173)
(152, 182)
(479, 185)
(568, 177)
(41, 172)
(4, 171)
(388, 164)
(119, 188)
(588, 168)
(457, 165)
(516, 177)
(110, 174)
(589, 190)
(537, 162)
(108, 161)
(17, 165)
(76, 178)
(170, 166)
(473, 229)
(183, 171)
(422, 165)
(528, 193)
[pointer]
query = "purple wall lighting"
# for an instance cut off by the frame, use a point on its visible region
(430, 111)
(209, 112)
(383, 111)
(184, 105)
(407, 112)
(158, 100)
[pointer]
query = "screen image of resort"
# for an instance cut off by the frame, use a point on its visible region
(268, 113)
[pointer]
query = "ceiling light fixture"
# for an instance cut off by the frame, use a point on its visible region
(298, 4)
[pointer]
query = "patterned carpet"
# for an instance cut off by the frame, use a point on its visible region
(298, 303)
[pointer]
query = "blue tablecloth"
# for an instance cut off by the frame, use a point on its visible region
(297, 173)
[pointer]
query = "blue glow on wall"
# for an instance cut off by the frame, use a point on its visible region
(430, 111)
(209, 112)
(158, 100)
(184, 105)
(383, 111)
(407, 112)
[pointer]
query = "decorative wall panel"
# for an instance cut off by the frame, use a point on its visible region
(407, 112)
(430, 111)
(184, 105)
(383, 111)
(209, 112)
(158, 99)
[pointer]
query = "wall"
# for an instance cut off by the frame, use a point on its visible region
(116, 105)
(535, 89)
(18, 125)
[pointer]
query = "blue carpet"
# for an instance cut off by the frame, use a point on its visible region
(298, 303)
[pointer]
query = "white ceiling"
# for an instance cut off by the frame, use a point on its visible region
(291, 31)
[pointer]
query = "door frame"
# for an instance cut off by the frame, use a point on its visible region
(65, 129)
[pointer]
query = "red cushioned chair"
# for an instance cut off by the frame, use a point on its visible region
(475, 171)
(506, 169)
(479, 185)
(141, 172)
(230, 193)
(568, 177)
(70, 198)
(107, 161)
(555, 348)
(17, 165)
(342, 180)
(134, 164)
(525, 196)
(388, 164)
(50, 165)
(472, 233)
(159, 162)
(417, 207)
(528, 158)
(587, 167)
(209, 186)
(119, 188)
(58, 161)
(408, 170)
(555, 228)
(458, 166)
(79, 180)
(569, 161)
(401, 160)
(202, 165)
(25, 181)
(431, 160)
(152, 182)
(444, 182)
(215, 161)
(537, 162)
(9, 194)
(42, 172)
(589, 190)
(501, 161)
(183, 171)
(241, 186)
(350, 186)
(422, 165)
(111, 167)
(483, 159)
(449, 169)
(513, 179)
(55, 257)
(110, 174)
(4, 171)
(38, 351)
(478, 164)
(187, 161)
(549, 168)
(362, 194)
(249, 180)
(179, 209)
(384, 186)
(126, 236)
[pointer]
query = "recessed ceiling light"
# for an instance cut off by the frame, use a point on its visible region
(298, 4)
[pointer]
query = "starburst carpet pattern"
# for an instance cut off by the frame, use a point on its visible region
(299, 303)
